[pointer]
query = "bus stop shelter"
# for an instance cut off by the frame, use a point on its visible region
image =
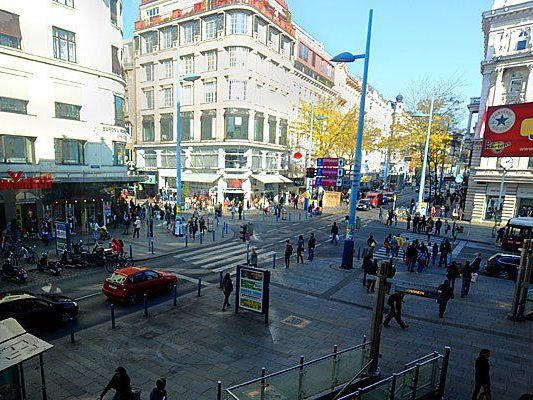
(17, 346)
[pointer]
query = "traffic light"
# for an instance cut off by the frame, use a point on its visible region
(243, 233)
(310, 173)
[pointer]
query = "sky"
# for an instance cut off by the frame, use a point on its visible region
(412, 40)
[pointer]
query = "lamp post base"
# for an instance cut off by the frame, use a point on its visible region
(347, 254)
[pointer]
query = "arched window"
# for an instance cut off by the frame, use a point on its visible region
(523, 40)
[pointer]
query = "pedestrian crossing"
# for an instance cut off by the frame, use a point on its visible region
(381, 252)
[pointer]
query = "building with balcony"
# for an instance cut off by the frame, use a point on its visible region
(61, 109)
(507, 79)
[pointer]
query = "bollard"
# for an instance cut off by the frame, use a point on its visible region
(226, 229)
(175, 294)
(152, 246)
(306, 214)
(273, 261)
(220, 280)
(290, 215)
(213, 235)
(248, 253)
(359, 253)
(131, 251)
(71, 326)
(201, 238)
(299, 216)
(186, 240)
(199, 287)
(217, 221)
(112, 306)
(219, 390)
(145, 305)
(277, 217)
(222, 232)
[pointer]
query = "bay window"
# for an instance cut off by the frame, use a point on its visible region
(17, 149)
(69, 151)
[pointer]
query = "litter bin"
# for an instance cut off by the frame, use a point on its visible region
(283, 214)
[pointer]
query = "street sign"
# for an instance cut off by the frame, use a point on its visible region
(330, 162)
(326, 181)
(330, 172)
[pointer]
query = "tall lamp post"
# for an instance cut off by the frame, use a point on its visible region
(426, 150)
(309, 157)
(347, 255)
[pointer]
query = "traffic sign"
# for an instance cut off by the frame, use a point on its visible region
(330, 162)
(326, 181)
(330, 172)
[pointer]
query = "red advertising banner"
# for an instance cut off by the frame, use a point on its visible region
(508, 131)
(18, 182)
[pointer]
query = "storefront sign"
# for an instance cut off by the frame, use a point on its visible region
(509, 131)
(253, 290)
(16, 181)
(62, 237)
(234, 183)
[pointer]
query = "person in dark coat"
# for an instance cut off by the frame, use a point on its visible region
(288, 253)
(438, 227)
(373, 273)
(300, 248)
(452, 273)
(445, 294)
(476, 264)
(159, 392)
(395, 303)
(227, 288)
(334, 233)
(482, 376)
(467, 273)
(121, 383)
(311, 244)
(368, 260)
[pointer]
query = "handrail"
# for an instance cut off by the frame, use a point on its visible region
(298, 366)
(434, 354)
(353, 379)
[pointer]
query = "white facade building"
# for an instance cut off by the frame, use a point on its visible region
(507, 71)
(61, 106)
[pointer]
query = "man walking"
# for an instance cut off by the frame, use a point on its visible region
(395, 303)
(476, 264)
(482, 375)
(136, 227)
(408, 221)
(288, 253)
(467, 279)
(335, 233)
(438, 226)
(311, 244)
(445, 294)
(300, 246)
(445, 248)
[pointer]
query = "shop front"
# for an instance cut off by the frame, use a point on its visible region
(493, 203)
(524, 201)
(269, 186)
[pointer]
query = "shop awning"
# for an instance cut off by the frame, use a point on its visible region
(272, 178)
(200, 178)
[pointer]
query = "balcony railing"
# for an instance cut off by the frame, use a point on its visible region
(513, 97)
(262, 6)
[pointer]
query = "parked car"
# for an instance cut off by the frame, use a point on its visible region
(37, 312)
(389, 196)
(503, 265)
(129, 285)
(364, 205)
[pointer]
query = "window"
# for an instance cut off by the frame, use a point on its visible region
(235, 159)
(116, 66)
(303, 52)
(113, 11)
(204, 161)
(271, 162)
(208, 124)
(166, 124)
(167, 97)
(210, 92)
(283, 126)
(257, 160)
(148, 129)
(69, 151)
(7, 104)
(237, 123)
(273, 39)
(168, 68)
(259, 126)
(530, 162)
(10, 34)
(187, 94)
(119, 153)
(515, 84)
(188, 64)
(148, 72)
(170, 36)
(272, 127)
(150, 159)
(68, 111)
(149, 99)
(237, 90)
(68, 3)
(260, 29)
(149, 41)
(152, 12)
(64, 44)
(238, 56)
(210, 28)
(188, 33)
(187, 121)
(119, 111)
(238, 23)
(17, 149)
(493, 207)
(211, 60)
(168, 159)
(523, 40)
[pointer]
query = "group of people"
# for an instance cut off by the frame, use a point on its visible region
(300, 250)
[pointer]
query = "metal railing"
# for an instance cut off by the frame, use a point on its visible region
(307, 379)
(419, 378)
(528, 309)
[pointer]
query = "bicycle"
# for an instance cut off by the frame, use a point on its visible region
(117, 261)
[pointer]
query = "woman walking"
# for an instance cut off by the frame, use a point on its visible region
(121, 383)
(300, 250)
(227, 288)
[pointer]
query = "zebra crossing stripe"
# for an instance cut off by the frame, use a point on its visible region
(216, 253)
(260, 258)
(197, 250)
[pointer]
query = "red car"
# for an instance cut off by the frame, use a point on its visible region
(130, 284)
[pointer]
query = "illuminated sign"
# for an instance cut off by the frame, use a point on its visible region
(16, 181)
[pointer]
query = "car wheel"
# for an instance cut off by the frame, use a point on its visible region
(132, 299)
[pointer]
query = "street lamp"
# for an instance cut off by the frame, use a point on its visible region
(177, 126)
(347, 255)
(309, 157)
(426, 150)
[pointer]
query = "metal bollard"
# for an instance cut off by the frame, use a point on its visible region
(226, 229)
(201, 238)
(131, 251)
(112, 306)
(220, 280)
(152, 246)
(199, 287)
(219, 390)
(359, 253)
(273, 261)
(248, 253)
(186, 240)
(217, 221)
(213, 235)
(277, 217)
(71, 326)
(290, 216)
(175, 294)
(299, 216)
(222, 232)
(145, 305)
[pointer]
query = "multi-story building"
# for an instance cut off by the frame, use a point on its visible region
(61, 108)
(507, 71)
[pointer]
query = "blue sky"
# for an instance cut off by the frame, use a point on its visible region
(412, 39)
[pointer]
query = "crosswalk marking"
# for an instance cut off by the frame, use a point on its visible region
(260, 258)
(220, 253)
(178, 254)
(411, 236)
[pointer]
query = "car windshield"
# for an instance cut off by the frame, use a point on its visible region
(116, 279)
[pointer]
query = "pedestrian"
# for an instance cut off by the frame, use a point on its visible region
(371, 243)
(335, 233)
(482, 375)
(499, 234)
(452, 272)
(411, 255)
(422, 259)
(438, 226)
(395, 245)
(387, 244)
(127, 221)
(395, 215)
(391, 273)
(227, 288)
(240, 209)
(416, 221)
(476, 264)
(159, 392)
(380, 213)
(121, 384)
(136, 227)
(253, 258)
(300, 247)
(445, 248)
(445, 294)
(408, 221)
(288, 253)
(434, 254)
(467, 273)
(372, 276)
(395, 311)
(311, 244)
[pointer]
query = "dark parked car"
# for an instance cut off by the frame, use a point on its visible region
(504, 265)
(37, 312)
(364, 205)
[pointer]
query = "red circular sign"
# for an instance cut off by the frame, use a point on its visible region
(298, 155)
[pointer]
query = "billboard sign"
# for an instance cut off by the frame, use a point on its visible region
(508, 131)
(252, 290)
(62, 237)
